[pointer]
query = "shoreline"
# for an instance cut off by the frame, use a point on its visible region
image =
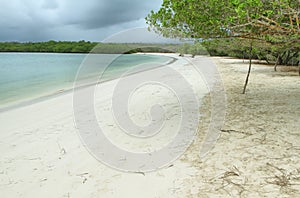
(258, 147)
(44, 156)
(32, 101)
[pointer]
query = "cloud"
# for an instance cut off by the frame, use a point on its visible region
(33, 20)
(103, 13)
(50, 5)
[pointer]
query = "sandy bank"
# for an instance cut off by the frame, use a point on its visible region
(43, 155)
(256, 155)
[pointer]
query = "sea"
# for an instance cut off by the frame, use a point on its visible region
(25, 77)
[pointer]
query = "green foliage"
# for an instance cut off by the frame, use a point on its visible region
(271, 21)
(128, 48)
(229, 26)
(50, 46)
(239, 48)
(234, 47)
(85, 47)
(194, 49)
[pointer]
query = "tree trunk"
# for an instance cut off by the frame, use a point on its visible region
(249, 70)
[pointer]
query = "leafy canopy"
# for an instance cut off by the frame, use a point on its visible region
(269, 20)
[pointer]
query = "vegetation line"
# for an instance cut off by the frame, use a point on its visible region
(85, 47)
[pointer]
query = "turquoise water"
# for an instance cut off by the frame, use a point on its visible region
(26, 76)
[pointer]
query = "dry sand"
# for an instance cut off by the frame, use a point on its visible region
(257, 154)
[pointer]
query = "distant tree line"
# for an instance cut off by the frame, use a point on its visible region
(129, 48)
(50, 46)
(234, 47)
(85, 47)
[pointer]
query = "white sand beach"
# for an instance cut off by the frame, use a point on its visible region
(256, 155)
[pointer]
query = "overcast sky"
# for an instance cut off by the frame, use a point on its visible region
(94, 20)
